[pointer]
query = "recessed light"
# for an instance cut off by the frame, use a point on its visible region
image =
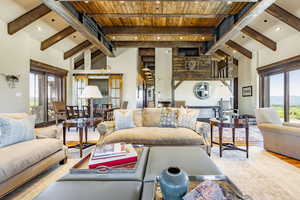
(158, 38)
(86, 1)
(52, 20)
(122, 1)
(113, 37)
(265, 21)
(234, 51)
(39, 28)
(157, 2)
(229, 2)
(181, 37)
(196, 1)
(135, 37)
(278, 28)
(203, 38)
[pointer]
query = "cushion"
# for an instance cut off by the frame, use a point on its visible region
(137, 116)
(151, 117)
(267, 115)
(18, 157)
(124, 119)
(168, 118)
(155, 136)
(13, 131)
(187, 118)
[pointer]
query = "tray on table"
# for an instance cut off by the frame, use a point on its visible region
(230, 191)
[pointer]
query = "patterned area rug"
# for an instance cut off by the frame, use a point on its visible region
(255, 136)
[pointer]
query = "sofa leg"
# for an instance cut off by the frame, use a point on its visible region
(64, 161)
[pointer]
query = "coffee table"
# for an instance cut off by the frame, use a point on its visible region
(80, 123)
(233, 124)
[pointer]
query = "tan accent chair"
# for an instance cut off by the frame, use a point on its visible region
(282, 138)
(23, 161)
(147, 131)
(60, 111)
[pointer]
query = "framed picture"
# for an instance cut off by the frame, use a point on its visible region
(247, 91)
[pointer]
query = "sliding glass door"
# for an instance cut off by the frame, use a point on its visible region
(276, 93)
(294, 96)
(45, 88)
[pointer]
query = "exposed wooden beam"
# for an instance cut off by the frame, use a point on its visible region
(239, 48)
(260, 38)
(143, 30)
(284, 16)
(128, 15)
(26, 19)
(172, 0)
(56, 38)
(94, 36)
(162, 44)
(243, 21)
(222, 53)
(77, 49)
(81, 61)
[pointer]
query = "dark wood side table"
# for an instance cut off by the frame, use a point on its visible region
(233, 124)
(80, 123)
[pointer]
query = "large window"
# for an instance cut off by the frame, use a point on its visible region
(279, 88)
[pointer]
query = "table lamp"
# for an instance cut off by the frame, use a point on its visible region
(91, 92)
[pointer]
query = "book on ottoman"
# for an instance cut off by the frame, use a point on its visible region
(110, 150)
(112, 160)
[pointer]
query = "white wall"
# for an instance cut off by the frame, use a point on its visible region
(163, 74)
(126, 62)
(15, 54)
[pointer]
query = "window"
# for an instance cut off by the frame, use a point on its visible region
(80, 85)
(294, 96)
(276, 93)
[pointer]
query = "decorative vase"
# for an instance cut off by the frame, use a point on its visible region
(174, 183)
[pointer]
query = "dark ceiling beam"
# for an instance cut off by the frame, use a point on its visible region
(128, 15)
(26, 19)
(77, 49)
(57, 37)
(82, 24)
(161, 44)
(239, 48)
(260, 38)
(145, 30)
(284, 16)
(170, 0)
(233, 27)
(93, 56)
(222, 53)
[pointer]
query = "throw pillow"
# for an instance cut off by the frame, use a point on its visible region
(13, 131)
(187, 118)
(124, 119)
(168, 118)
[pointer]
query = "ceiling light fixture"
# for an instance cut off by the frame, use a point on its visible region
(203, 38)
(158, 37)
(113, 37)
(39, 28)
(157, 2)
(278, 28)
(135, 37)
(86, 1)
(234, 51)
(122, 1)
(229, 2)
(181, 37)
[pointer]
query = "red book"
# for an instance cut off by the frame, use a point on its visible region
(129, 157)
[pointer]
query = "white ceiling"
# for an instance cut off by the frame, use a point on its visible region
(42, 28)
(268, 28)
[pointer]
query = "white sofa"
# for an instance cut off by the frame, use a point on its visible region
(22, 161)
(279, 137)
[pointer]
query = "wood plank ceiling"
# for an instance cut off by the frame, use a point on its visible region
(128, 15)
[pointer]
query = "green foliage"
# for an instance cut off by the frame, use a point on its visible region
(294, 112)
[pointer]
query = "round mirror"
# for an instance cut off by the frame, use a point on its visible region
(201, 90)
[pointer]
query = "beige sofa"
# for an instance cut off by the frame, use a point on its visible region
(282, 138)
(149, 133)
(22, 161)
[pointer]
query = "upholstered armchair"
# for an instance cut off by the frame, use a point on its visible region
(279, 137)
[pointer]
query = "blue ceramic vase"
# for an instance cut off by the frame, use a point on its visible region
(174, 183)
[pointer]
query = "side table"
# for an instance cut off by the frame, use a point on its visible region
(233, 124)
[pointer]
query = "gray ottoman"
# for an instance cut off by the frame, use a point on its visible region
(191, 159)
(92, 190)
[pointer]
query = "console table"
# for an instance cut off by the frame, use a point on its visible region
(233, 124)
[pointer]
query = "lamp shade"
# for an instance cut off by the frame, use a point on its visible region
(91, 92)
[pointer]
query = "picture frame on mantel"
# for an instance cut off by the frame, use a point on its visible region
(247, 91)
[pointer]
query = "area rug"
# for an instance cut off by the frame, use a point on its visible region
(255, 136)
(262, 176)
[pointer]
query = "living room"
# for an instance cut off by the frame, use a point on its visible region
(168, 99)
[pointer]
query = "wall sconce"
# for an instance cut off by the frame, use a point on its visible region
(12, 80)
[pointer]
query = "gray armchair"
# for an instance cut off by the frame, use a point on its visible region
(279, 137)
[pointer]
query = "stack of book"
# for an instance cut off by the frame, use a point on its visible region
(112, 155)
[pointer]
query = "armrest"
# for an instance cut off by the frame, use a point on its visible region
(203, 129)
(279, 129)
(48, 132)
(105, 128)
(296, 125)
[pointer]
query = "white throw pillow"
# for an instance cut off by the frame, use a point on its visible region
(13, 131)
(187, 118)
(124, 119)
